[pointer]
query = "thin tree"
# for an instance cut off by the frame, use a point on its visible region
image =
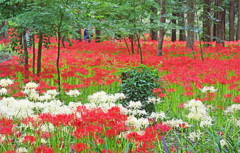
(238, 25)
(220, 23)
(39, 57)
(162, 31)
(98, 34)
(190, 21)
(181, 22)
(207, 22)
(153, 32)
(5, 33)
(231, 20)
(174, 21)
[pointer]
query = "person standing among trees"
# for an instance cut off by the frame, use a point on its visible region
(86, 35)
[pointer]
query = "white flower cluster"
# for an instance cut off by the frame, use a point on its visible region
(10, 107)
(21, 150)
(135, 108)
(22, 108)
(153, 100)
(195, 136)
(135, 105)
(73, 93)
(175, 123)
(137, 123)
(6, 82)
(3, 91)
(30, 90)
(159, 115)
(233, 108)
(223, 143)
(102, 97)
(210, 89)
(31, 85)
(198, 111)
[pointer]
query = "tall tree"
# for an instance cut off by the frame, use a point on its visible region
(4, 33)
(79, 32)
(231, 20)
(238, 25)
(190, 22)
(220, 23)
(162, 30)
(207, 23)
(98, 34)
(39, 57)
(181, 22)
(174, 31)
(153, 32)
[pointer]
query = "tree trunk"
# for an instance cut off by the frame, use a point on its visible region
(238, 25)
(5, 33)
(34, 54)
(182, 33)
(174, 31)
(231, 21)
(207, 23)
(220, 33)
(39, 58)
(80, 35)
(190, 21)
(25, 50)
(131, 37)
(161, 32)
(153, 32)
(98, 34)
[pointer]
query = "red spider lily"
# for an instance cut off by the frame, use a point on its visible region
(171, 90)
(79, 147)
(183, 125)
(43, 149)
(30, 139)
(227, 95)
(233, 86)
(220, 133)
(173, 149)
(181, 105)
(6, 126)
(10, 151)
(237, 99)
(18, 95)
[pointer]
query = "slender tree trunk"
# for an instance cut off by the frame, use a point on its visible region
(190, 21)
(139, 47)
(153, 32)
(220, 33)
(25, 50)
(231, 21)
(5, 33)
(98, 35)
(181, 22)
(162, 31)
(207, 23)
(34, 54)
(58, 57)
(238, 25)
(39, 58)
(174, 31)
(80, 35)
(63, 38)
(131, 37)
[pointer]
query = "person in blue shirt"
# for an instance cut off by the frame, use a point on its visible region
(86, 35)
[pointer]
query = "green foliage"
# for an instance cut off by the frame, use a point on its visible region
(138, 85)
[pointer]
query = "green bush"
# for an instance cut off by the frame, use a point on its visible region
(138, 85)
